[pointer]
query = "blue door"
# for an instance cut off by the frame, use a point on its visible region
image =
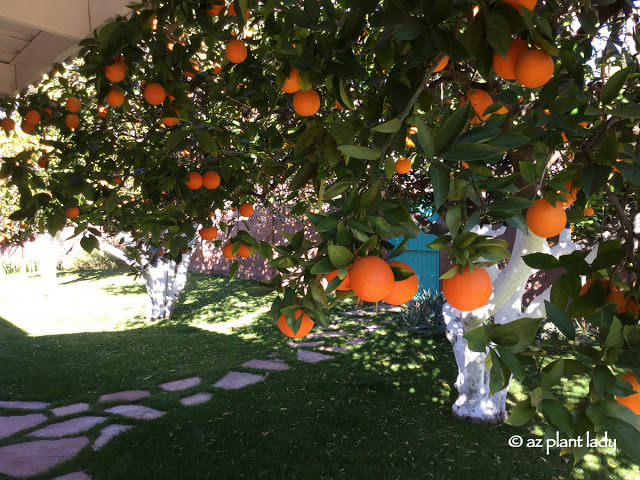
(425, 261)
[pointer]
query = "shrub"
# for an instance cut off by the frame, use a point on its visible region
(16, 266)
(423, 314)
(96, 260)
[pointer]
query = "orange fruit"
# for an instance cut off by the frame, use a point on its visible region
(72, 212)
(115, 98)
(371, 278)
(306, 103)
(43, 162)
(26, 127)
(534, 68)
(226, 251)
(195, 181)
(588, 211)
(211, 180)
(625, 304)
(32, 117)
(195, 68)
(117, 179)
(215, 10)
(115, 72)
(505, 66)
(544, 220)
(48, 111)
(585, 288)
(8, 125)
(217, 68)
(569, 197)
(236, 51)
(154, 94)
(72, 121)
(520, 4)
(305, 325)
(244, 251)
(291, 83)
(208, 233)
(172, 121)
(468, 291)
(631, 401)
(102, 111)
(403, 165)
(246, 210)
(73, 104)
(441, 64)
(480, 101)
(344, 285)
(403, 290)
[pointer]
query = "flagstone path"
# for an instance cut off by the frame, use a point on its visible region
(32, 457)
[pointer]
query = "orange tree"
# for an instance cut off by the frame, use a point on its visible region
(497, 106)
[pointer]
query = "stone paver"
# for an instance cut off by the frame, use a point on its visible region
(74, 476)
(312, 357)
(17, 423)
(179, 385)
(196, 399)
(265, 365)
(107, 433)
(234, 380)
(128, 396)
(305, 344)
(24, 405)
(136, 411)
(26, 459)
(70, 427)
(326, 334)
(357, 341)
(70, 409)
(335, 349)
(372, 328)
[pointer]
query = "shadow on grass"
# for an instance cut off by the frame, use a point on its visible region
(88, 275)
(381, 410)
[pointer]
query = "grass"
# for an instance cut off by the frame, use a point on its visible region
(380, 411)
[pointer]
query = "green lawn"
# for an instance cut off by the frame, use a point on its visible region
(380, 411)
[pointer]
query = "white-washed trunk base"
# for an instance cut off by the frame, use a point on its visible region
(52, 251)
(164, 281)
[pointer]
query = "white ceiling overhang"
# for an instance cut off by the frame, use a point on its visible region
(35, 34)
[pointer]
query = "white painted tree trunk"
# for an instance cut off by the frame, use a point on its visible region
(52, 250)
(474, 402)
(164, 281)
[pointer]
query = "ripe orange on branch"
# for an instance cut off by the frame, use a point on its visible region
(211, 180)
(569, 197)
(625, 304)
(292, 82)
(72, 212)
(631, 401)
(32, 117)
(226, 251)
(441, 64)
(72, 121)
(344, 285)
(468, 291)
(371, 278)
(480, 101)
(305, 325)
(236, 51)
(115, 98)
(208, 233)
(8, 125)
(195, 181)
(306, 103)
(402, 290)
(589, 211)
(246, 209)
(534, 68)
(215, 10)
(403, 165)
(154, 94)
(26, 127)
(544, 220)
(73, 104)
(115, 72)
(505, 66)
(520, 4)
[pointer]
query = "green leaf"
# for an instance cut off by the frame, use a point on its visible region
(207, 142)
(452, 127)
(259, 290)
(497, 378)
(509, 140)
(526, 170)
(629, 359)
(401, 273)
(440, 181)
(630, 111)
(340, 256)
(89, 243)
(614, 85)
(323, 266)
(426, 138)
(410, 29)
(356, 151)
(439, 243)
(603, 380)
(478, 338)
(630, 171)
(626, 435)
(450, 273)
(511, 204)
(498, 32)
(327, 224)
(473, 152)
(175, 138)
(541, 261)
(370, 195)
(558, 415)
(516, 335)
(391, 126)
(233, 269)
(478, 134)
(560, 319)
(453, 219)
(521, 413)
(463, 240)
(511, 361)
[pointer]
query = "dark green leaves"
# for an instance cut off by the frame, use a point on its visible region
(472, 152)
(561, 320)
(440, 180)
(614, 85)
(392, 126)
(356, 151)
(498, 32)
(593, 177)
(340, 256)
(452, 128)
(541, 261)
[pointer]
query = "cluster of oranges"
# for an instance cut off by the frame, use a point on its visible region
(624, 304)
(305, 103)
(210, 180)
(530, 67)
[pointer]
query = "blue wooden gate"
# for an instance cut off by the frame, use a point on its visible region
(425, 261)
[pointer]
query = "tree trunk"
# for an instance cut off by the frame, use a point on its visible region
(52, 249)
(164, 281)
